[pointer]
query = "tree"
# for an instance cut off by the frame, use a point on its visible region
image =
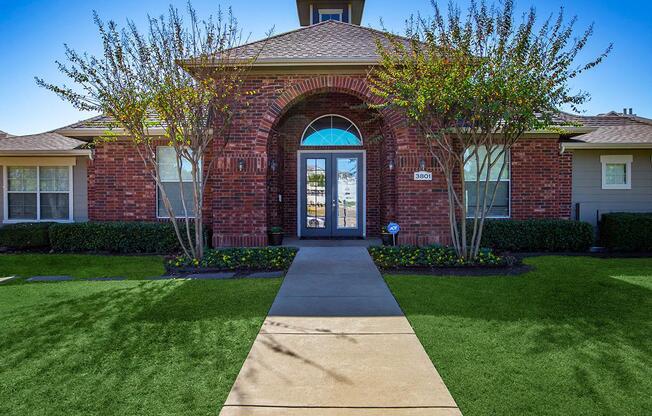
(473, 86)
(185, 80)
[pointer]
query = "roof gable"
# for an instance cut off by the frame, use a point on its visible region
(325, 43)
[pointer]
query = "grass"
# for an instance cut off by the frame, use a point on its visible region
(80, 265)
(128, 347)
(572, 337)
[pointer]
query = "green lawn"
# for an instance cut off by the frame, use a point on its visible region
(572, 337)
(80, 265)
(126, 348)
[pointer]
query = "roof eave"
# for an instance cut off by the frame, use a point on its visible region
(71, 152)
(273, 62)
(98, 132)
(588, 146)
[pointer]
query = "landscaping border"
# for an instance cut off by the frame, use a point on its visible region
(469, 271)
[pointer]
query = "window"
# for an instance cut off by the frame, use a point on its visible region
(494, 179)
(616, 171)
(38, 193)
(167, 162)
(331, 130)
(330, 14)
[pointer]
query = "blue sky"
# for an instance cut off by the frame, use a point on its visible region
(32, 34)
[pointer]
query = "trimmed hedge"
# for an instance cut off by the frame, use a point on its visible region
(232, 259)
(115, 237)
(536, 235)
(387, 257)
(25, 236)
(626, 231)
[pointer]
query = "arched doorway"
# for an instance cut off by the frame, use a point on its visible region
(330, 174)
(331, 183)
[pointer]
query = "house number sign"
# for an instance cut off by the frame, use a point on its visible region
(422, 176)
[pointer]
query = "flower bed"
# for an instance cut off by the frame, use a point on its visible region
(235, 259)
(412, 257)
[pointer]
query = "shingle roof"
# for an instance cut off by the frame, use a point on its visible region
(40, 142)
(622, 134)
(326, 42)
(601, 120)
(98, 125)
(97, 122)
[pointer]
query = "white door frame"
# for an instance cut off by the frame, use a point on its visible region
(364, 184)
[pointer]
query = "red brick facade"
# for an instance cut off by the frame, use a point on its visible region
(243, 204)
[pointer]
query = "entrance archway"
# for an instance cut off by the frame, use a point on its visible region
(334, 184)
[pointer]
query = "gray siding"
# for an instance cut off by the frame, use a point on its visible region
(595, 201)
(80, 190)
(2, 194)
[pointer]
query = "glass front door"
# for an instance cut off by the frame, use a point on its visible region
(331, 195)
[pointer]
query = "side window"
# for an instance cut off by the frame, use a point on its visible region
(616, 171)
(39, 193)
(174, 188)
(493, 179)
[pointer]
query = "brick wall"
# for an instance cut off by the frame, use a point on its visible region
(541, 180)
(119, 186)
(243, 204)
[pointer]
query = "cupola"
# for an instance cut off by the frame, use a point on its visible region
(317, 11)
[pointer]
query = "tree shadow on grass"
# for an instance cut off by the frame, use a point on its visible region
(138, 348)
(573, 327)
(561, 290)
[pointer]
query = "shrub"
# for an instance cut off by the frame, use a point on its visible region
(115, 237)
(25, 236)
(431, 256)
(626, 231)
(536, 235)
(257, 258)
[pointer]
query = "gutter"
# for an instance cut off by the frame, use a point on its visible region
(98, 132)
(588, 146)
(72, 152)
(272, 62)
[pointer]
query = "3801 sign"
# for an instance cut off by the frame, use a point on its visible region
(422, 176)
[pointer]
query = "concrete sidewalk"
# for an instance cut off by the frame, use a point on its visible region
(336, 343)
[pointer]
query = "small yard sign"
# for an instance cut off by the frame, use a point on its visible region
(393, 228)
(422, 176)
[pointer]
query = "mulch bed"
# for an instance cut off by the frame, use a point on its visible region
(463, 271)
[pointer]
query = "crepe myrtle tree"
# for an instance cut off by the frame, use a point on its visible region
(474, 84)
(178, 83)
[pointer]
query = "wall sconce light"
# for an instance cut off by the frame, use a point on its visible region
(241, 165)
(273, 165)
(391, 164)
(422, 165)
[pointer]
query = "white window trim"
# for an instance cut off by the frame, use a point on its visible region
(617, 159)
(331, 11)
(303, 136)
(507, 179)
(6, 193)
(165, 215)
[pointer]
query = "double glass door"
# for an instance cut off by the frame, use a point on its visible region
(331, 194)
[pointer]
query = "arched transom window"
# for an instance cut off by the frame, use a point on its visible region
(331, 130)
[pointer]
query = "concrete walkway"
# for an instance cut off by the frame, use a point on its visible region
(336, 343)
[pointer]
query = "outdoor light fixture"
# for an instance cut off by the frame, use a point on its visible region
(273, 165)
(422, 165)
(391, 164)
(241, 165)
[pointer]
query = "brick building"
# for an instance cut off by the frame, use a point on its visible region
(306, 154)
